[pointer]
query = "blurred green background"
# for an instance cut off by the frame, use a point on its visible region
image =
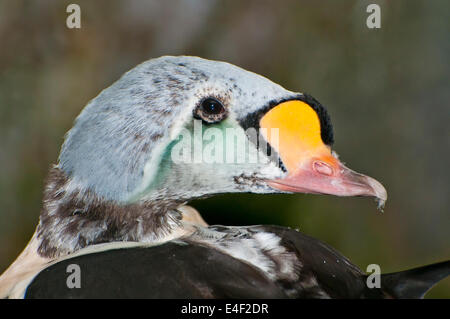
(387, 91)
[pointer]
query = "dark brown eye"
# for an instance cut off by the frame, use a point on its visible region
(212, 106)
(210, 110)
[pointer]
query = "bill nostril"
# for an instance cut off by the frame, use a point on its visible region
(322, 168)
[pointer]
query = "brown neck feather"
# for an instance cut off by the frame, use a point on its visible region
(71, 221)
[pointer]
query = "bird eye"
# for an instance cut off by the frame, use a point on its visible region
(210, 110)
(212, 106)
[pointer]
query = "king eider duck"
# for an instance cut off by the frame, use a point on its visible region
(115, 204)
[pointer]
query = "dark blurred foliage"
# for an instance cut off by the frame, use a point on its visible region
(386, 90)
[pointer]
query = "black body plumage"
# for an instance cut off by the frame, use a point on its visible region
(188, 269)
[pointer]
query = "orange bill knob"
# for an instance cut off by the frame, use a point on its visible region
(312, 166)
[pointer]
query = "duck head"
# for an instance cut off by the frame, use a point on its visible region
(177, 128)
(185, 127)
